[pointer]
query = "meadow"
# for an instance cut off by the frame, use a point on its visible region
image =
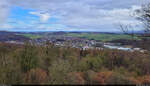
(99, 36)
(32, 36)
(102, 36)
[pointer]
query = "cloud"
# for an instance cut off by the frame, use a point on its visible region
(4, 10)
(8, 26)
(81, 14)
(44, 17)
(97, 18)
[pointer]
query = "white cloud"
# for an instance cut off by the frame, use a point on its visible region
(96, 18)
(44, 17)
(6, 26)
(82, 14)
(4, 10)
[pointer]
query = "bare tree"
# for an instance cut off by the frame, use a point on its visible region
(123, 28)
(127, 29)
(143, 15)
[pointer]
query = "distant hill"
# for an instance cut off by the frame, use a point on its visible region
(11, 36)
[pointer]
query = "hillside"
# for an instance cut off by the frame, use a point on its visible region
(12, 36)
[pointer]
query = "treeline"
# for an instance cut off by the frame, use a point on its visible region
(34, 64)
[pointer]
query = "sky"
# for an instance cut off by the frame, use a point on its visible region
(68, 15)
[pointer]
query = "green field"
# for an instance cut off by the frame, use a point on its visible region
(101, 37)
(32, 36)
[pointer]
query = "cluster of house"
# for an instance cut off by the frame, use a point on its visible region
(81, 43)
(74, 42)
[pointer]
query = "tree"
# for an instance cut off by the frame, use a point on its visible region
(36, 76)
(76, 78)
(143, 15)
(118, 79)
(28, 57)
(127, 29)
(9, 68)
(90, 63)
(101, 77)
(58, 72)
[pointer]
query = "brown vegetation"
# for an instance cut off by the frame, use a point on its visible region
(30, 64)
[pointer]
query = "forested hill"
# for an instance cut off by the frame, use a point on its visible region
(12, 36)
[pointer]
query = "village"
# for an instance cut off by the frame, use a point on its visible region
(70, 41)
(85, 44)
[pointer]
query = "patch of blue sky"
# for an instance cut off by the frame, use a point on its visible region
(20, 13)
(24, 14)
(21, 18)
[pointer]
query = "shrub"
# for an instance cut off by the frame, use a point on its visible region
(58, 72)
(117, 78)
(36, 76)
(76, 78)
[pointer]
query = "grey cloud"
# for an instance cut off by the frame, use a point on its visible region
(82, 13)
(4, 10)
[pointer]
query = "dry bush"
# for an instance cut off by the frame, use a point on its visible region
(36, 76)
(101, 77)
(76, 78)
